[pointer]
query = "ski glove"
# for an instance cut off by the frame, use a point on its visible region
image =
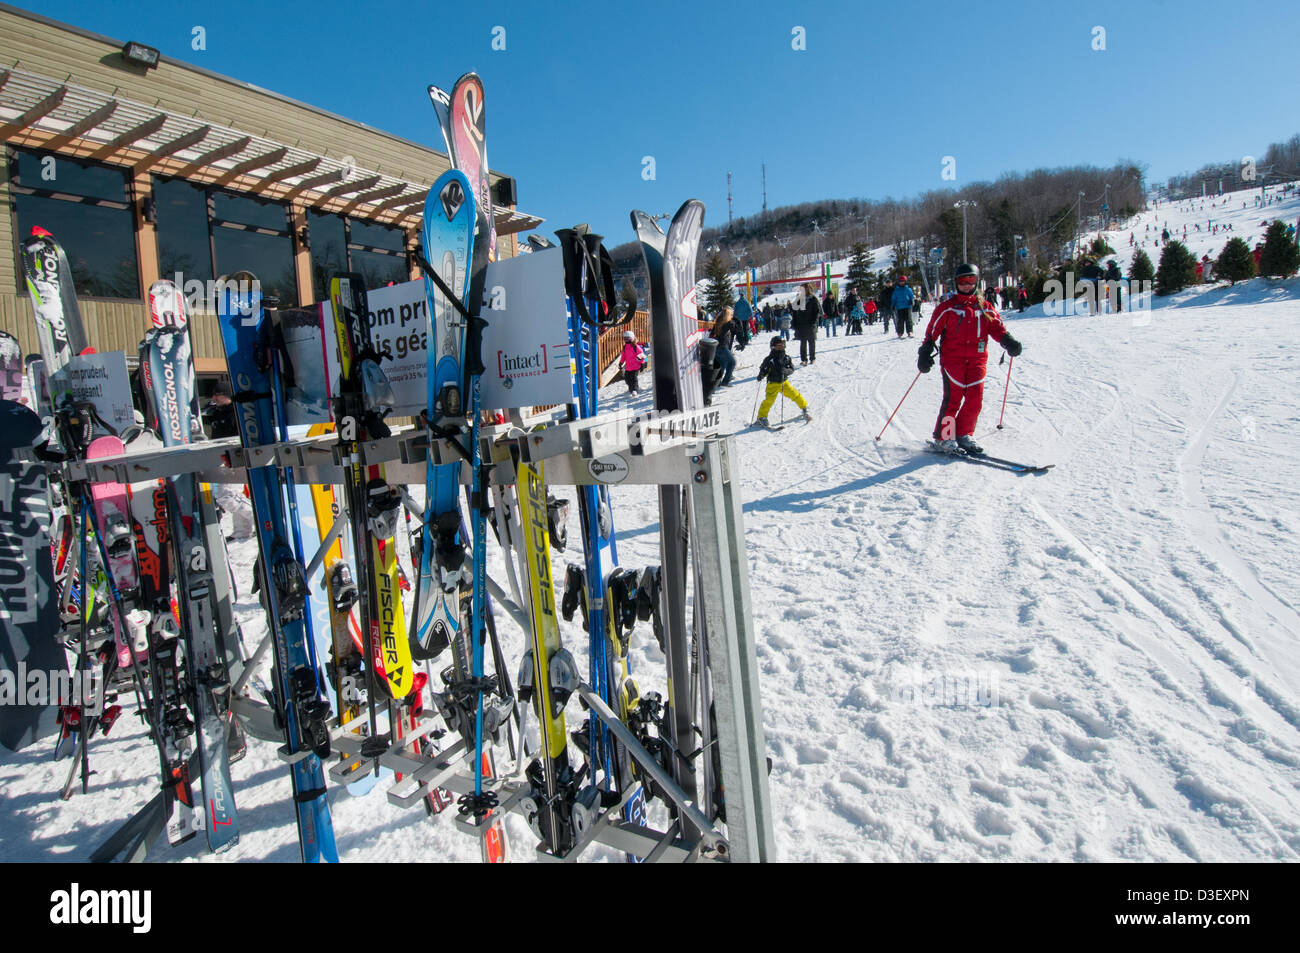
(1012, 345)
(925, 357)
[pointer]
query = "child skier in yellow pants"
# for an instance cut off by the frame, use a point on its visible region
(776, 370)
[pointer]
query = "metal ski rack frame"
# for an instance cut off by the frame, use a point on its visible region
(681, 448)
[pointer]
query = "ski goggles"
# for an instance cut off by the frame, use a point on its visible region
(967, 281)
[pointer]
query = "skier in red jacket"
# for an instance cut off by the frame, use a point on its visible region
(962, 326)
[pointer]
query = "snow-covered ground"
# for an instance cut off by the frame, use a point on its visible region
(1100, 663)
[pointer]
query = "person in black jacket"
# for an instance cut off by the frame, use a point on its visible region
(830, 313)
(807, 311)
(776, 370)
(846, 307)
(724, 332)
(885, 305)
(219, 413)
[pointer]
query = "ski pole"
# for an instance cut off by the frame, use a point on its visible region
(757, 395)
(899, 407)
(1010, 361)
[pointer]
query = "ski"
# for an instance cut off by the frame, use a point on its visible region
(444, 579)
(985, 460)
(61, 335)
(297, 692)
(555, 809)
(167, 371)
(670, 264)
(54, 300)
(166, 693)
(462, 121)
(590, 293)
(364, 398)
(333, 601)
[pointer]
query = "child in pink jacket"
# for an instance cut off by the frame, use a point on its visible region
(632, 361)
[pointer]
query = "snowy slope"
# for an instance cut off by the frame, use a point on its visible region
(1101, 663)
(1249, 222)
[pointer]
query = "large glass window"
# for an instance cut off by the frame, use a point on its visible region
(378, 253)
(376, 236)
(329, 249)
(379, 270)
(253, 235)
(249, 211)
(87, 208)
(68, 177)
(184, 242)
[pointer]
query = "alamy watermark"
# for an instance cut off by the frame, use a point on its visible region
(945, 689)
(204, 295)
(85, 906)
(1098, 296)
(36, 686)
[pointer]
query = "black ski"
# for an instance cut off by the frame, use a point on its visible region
(997, 463)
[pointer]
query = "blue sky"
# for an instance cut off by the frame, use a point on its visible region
(583, 91)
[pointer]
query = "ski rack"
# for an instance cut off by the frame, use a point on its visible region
(683, 449)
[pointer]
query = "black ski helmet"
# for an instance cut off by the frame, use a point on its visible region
(967, 270)
(777, 341)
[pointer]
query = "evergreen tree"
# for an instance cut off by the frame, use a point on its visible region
(902, 258)
(627, 294)
(1235, 263)
(1140, 268)
(1280, 257)
(718, 292)
(1177, 268)
(1100, 247)
(859, 274)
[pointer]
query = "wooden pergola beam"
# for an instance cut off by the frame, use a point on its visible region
(190, 138)
(357, 186)
(288, 173)
(260, 162)
(216, 155)
(142, 131)
(325, 178)
(83, 126)
(369, 198)
(41, 109)
(403, 200)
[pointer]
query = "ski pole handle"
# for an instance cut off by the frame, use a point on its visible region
(1010, 361)
(899, 407)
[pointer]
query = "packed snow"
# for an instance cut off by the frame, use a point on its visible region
(1100, 663)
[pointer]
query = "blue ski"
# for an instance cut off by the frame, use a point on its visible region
(284, 588)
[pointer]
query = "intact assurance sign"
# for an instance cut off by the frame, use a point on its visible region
(526, 360)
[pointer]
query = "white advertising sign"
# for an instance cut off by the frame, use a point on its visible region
(101, 380)
(526, 359)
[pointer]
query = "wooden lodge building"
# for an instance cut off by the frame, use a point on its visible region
(149, 171)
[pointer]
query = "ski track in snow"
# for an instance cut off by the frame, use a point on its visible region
(957, 663)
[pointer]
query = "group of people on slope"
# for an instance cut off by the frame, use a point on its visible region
(958, 333)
